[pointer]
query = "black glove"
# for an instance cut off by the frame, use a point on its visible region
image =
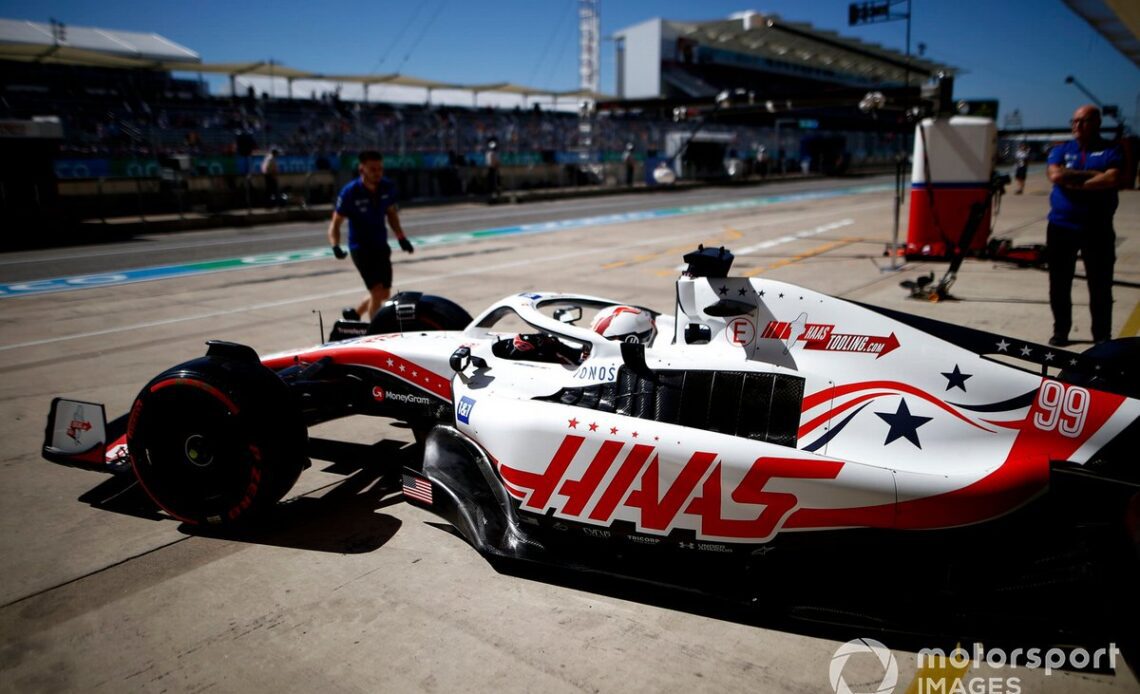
(339, 253)
(407, 245)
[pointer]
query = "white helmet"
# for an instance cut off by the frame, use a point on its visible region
(625, 324)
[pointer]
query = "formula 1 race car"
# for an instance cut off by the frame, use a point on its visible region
(759, 413)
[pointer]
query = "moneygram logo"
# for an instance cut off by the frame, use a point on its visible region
(872, 647)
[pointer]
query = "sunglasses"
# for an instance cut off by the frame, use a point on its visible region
(1077, 121)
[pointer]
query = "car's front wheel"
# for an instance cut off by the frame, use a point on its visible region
(216, 439)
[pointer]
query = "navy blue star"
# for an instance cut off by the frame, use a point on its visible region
(761, 293)
(956, 379)
(742, 291)
(903, 424)
(723, 290)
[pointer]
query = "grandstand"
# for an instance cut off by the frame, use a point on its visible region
(127, 110)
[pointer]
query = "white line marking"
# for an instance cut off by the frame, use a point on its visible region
(419, 281)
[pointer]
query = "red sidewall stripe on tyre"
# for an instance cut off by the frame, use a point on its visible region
(131, 423)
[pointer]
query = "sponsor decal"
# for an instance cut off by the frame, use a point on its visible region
(822, 336)
(408, 398)
(644, 539)
(597, 373)
(116, 453)
(597, 532)
(377, 393)
(611, 485)
(77, 426)
(463, 412)
(352, 329)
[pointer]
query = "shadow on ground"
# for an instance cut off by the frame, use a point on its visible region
(1021, 582)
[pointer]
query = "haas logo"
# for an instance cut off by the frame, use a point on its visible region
(639, 490)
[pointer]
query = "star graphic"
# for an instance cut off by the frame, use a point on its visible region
(390, 362)
(635, 434)
(903, 424)
(1003, 345)
(1048, 356)
(593, 426)
(613, 430)
(403, 368)
(956, 379)
(781, 295)
(723, 290)
(1025, 351)
(742, 291)
(415, 373)
(761, 293)
(573, 423)
(1073, 361)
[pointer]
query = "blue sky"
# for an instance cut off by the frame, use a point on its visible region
(1018, 51)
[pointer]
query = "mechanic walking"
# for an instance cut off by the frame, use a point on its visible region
(369, 205)
(1084, 173)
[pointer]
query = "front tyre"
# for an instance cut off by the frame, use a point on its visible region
(215, 440)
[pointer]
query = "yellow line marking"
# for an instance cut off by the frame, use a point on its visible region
(938, 675)
(818, 250)
(729, 234)
(1132, 325)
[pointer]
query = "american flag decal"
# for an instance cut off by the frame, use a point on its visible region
(417, 488)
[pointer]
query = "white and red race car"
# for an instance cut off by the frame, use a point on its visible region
(759, 412)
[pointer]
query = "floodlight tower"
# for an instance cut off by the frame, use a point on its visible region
(589, 57)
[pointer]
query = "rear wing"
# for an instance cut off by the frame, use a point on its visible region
(77, 434)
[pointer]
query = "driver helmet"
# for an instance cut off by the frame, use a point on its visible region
(625, 324)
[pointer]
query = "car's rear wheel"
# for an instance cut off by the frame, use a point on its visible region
(412, 311)
(215, 440)
(1118, 369)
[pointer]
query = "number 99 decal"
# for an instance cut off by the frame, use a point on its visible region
(1063, 408)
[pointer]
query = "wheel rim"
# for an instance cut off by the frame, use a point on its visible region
(191, 454)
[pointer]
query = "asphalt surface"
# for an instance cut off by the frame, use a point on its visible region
(349, 589)
(184, 247)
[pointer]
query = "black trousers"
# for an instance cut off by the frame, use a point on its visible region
(1097, 247)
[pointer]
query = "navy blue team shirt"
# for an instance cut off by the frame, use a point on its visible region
(1072, 208)
(366, 212)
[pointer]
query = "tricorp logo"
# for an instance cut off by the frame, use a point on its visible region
(875, 648)
(463, 412)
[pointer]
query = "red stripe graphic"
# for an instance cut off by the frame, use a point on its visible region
(388, 362)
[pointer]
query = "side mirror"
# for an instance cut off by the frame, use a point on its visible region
(697, 334)
(568, 314)
(459, 360)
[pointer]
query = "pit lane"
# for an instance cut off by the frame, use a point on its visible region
(352, 590)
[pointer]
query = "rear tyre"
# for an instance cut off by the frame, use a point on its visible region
(216, 440)
(413, 311)
(1119, 369)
